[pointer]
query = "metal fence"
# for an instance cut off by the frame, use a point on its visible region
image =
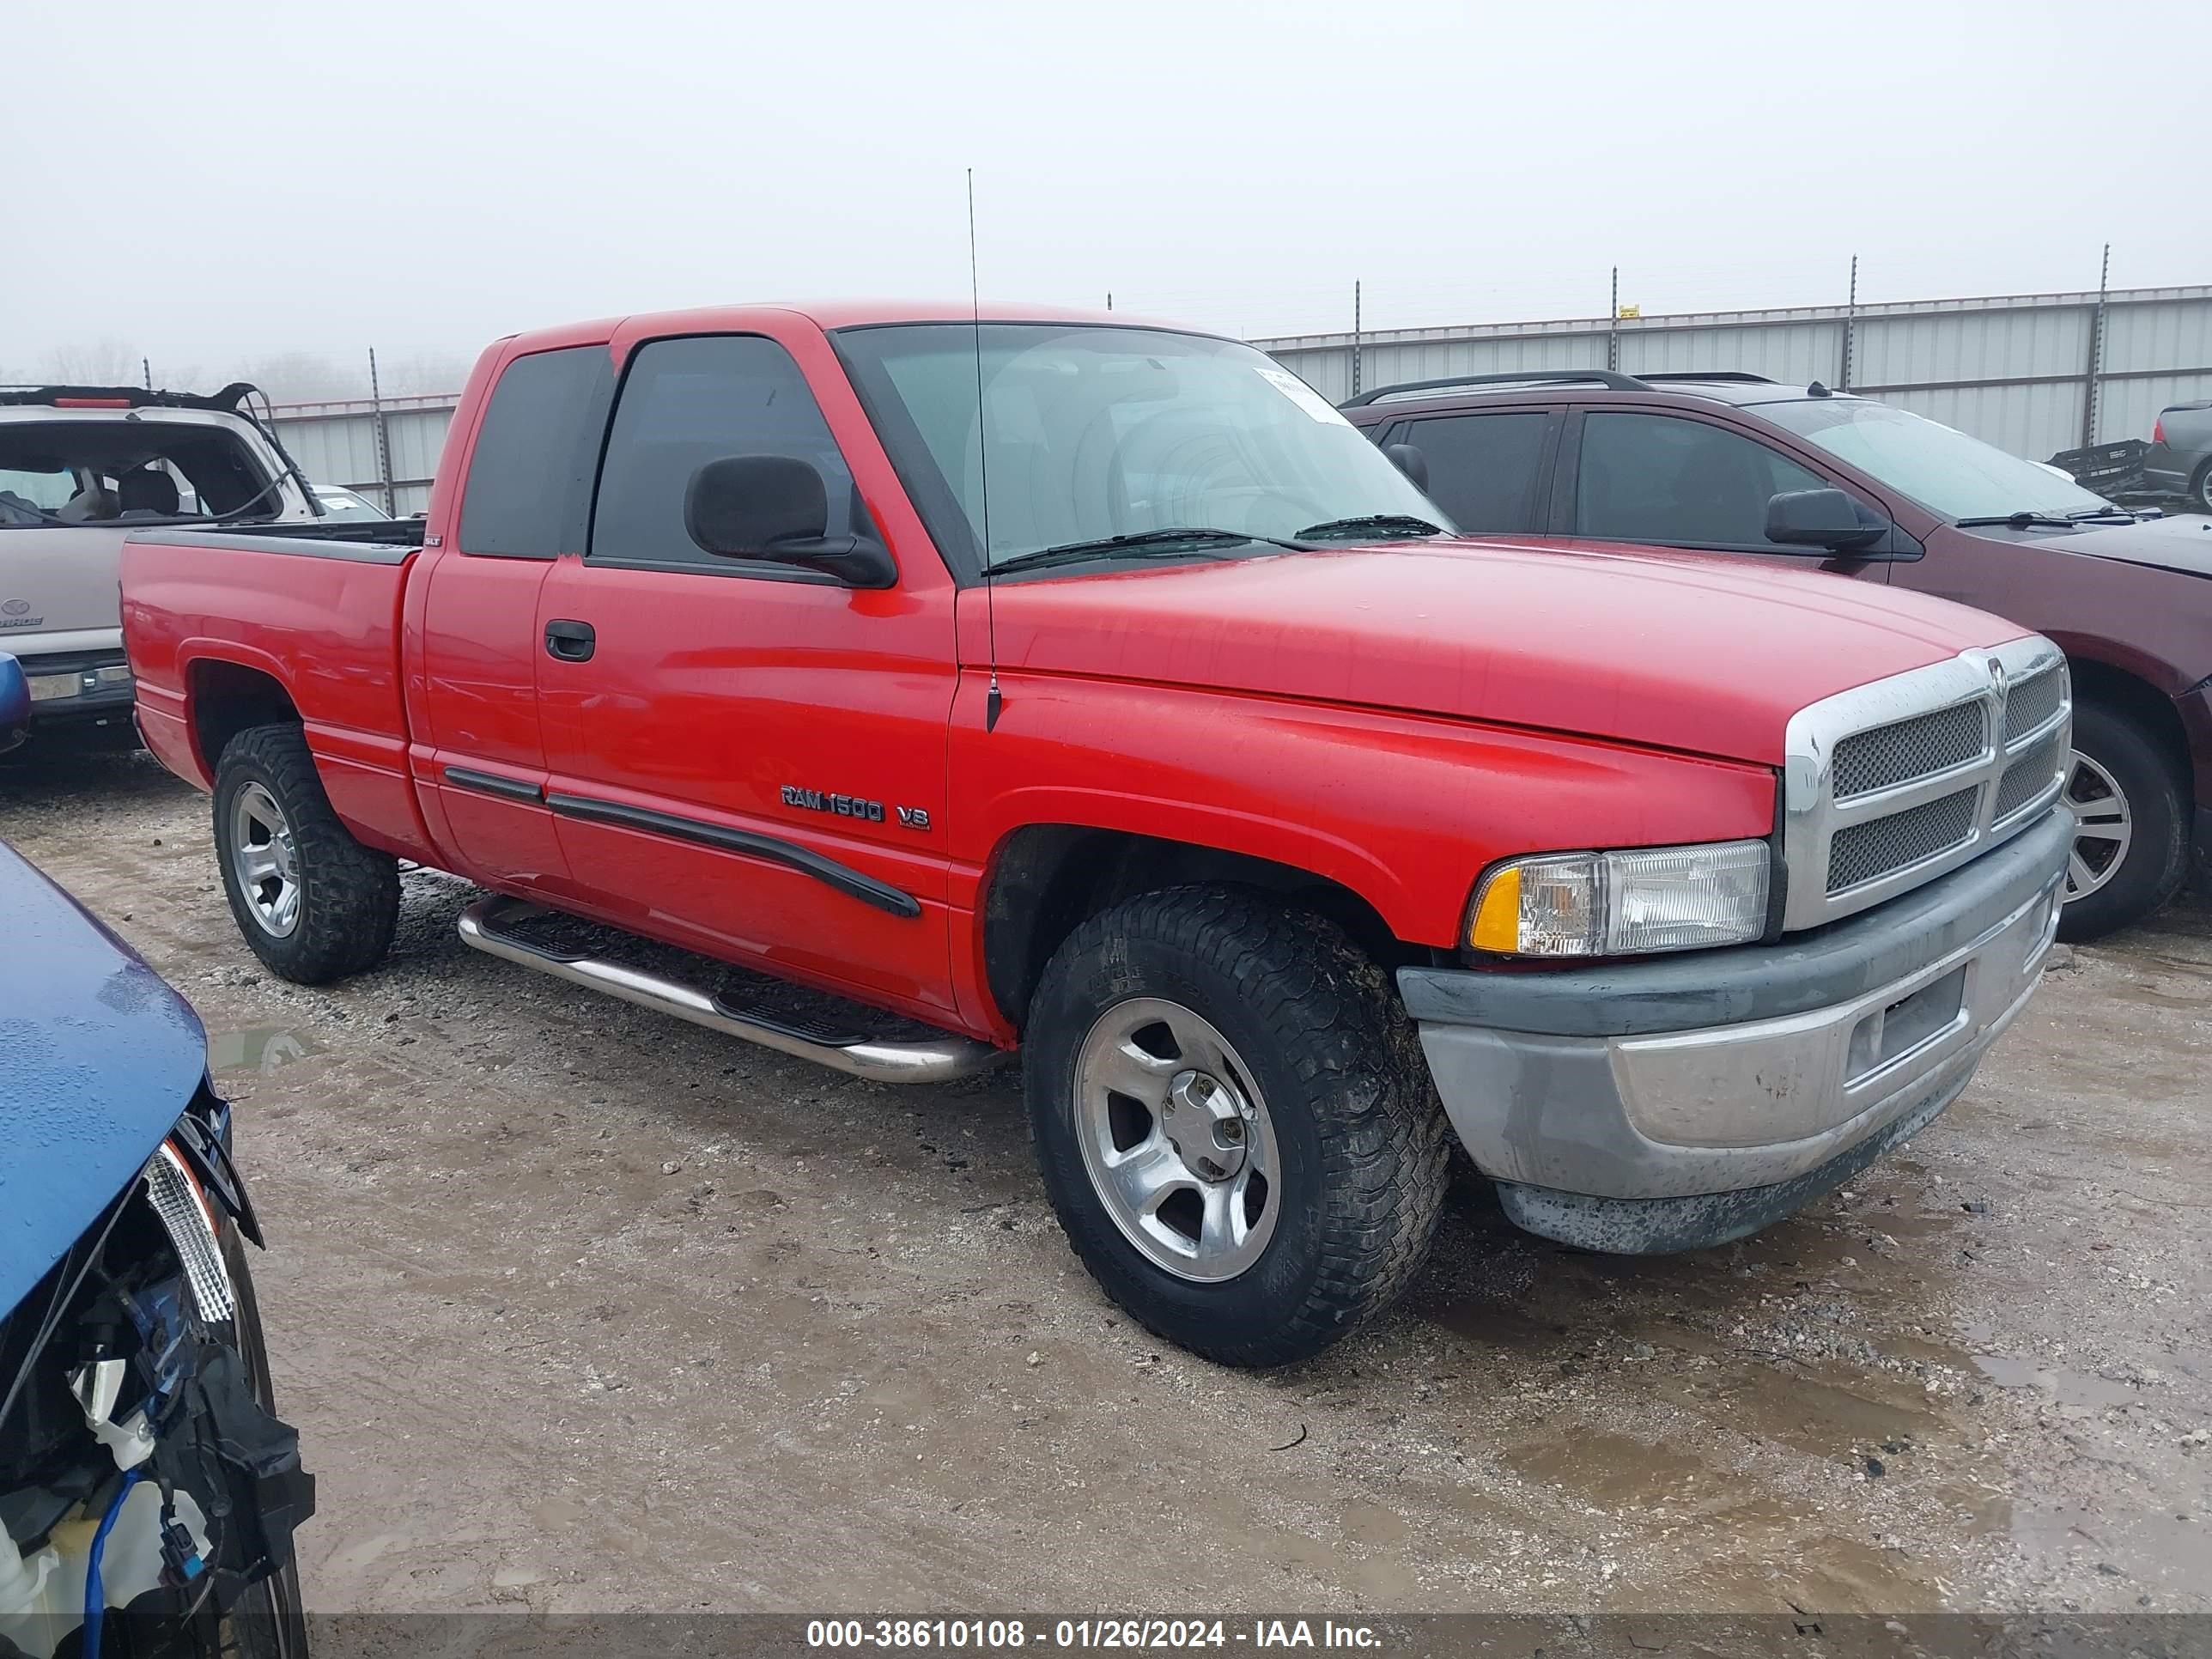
(2033, 374)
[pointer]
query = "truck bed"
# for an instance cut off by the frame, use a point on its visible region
(307, 615)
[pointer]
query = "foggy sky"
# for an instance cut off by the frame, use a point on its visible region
(222, 182)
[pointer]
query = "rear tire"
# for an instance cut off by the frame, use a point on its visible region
(2200, 488)
(2122, 782)
(1227, 995)
(313, 903)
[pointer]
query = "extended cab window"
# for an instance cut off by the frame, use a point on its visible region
(1482, 468)
(530, 474)
(685, 402)
(1656, 478)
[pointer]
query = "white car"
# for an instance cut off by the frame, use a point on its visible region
(81, 467)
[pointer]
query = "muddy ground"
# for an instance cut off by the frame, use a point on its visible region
(578, 1308)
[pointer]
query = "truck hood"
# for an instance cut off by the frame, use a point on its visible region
(1709, 654)
(2184, 544)
(98, 1057)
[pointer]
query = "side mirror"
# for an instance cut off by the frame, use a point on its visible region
(1825, 518)
(1409, 461)
(775, 508)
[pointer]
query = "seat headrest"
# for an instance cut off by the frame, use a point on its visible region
(146, 490)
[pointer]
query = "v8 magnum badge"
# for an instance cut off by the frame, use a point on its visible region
(852, 806)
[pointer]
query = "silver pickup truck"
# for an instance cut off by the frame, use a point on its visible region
(80, 468)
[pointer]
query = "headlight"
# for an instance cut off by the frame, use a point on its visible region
(177, 1200)
(1611, 904)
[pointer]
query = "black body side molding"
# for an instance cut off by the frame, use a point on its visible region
(491, 783)
(852, 883)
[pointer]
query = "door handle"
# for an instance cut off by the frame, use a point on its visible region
(571, 642)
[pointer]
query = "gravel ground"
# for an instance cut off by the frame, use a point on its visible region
(581, 1309)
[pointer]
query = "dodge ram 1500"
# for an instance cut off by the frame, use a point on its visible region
(1048, 680)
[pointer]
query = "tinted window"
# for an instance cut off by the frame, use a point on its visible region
(529, 476)
(1482, 468)
(1654, 478)
(685, 402)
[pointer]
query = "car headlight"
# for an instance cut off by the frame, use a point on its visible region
(175, 1194)
(1611, 904)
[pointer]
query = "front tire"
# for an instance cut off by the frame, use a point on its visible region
(313, 903)
(2129, 850)
(1234, 1122)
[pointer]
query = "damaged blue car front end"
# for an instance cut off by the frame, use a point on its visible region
(147, 1492)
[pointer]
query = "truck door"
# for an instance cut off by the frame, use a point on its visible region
(480, 760)
(748, 757)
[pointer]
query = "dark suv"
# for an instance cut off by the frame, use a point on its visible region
(2179, 459)
(1732, 463)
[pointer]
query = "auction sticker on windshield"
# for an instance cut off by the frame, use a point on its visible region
(1303, 395)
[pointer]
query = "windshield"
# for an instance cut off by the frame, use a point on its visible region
(29, 494)
(1938, 467)
(1099, 432)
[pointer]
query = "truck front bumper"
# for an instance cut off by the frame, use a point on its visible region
(1677, 1103)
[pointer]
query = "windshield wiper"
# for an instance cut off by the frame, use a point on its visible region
(2092, 515)
(2019, 520)
(1377, 524)
(1144, 544)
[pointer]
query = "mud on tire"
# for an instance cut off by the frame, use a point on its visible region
(1359, 1136)
(348, 901)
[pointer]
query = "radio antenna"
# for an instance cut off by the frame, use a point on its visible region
(992, 701)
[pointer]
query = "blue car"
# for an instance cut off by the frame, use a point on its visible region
(14, 703)
(147, 1492)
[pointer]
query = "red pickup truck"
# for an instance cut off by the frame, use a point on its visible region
(895, 689)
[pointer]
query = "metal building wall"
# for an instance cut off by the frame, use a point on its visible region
(2013, 370)
(336, 443)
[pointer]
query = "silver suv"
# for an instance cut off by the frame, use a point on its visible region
(80, 468)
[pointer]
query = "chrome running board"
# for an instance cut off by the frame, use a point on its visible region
(489, 924)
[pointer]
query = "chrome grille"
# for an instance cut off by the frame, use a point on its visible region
(2033, 701)
(1896, 782)
(1879, 846)
(2028, 777)
(1904, 749)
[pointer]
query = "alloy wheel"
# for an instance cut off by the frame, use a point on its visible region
(1177, 1139)
(2103, 827)
(265, 861)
